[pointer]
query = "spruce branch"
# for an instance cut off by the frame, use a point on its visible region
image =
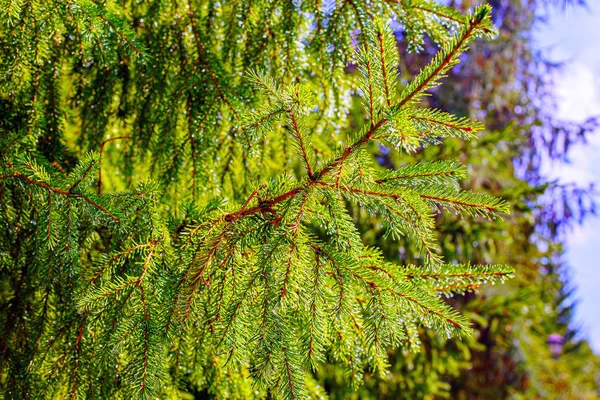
(441, 12)
(64, 192)
(425, 173)
(444, 124)
(466, 202)
(457, 278)
(478, 24)
(246, 261)
(444, 60)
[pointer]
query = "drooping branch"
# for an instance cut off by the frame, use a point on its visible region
(67, 193)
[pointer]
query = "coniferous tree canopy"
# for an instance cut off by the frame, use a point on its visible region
(179, 185)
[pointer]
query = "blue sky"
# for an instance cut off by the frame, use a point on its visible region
(572, 35)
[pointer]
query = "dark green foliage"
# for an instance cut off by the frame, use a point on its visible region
(207, 239)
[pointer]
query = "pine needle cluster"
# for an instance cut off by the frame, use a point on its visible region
(238, 268)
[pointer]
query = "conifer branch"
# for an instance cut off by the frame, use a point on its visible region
(259, 276)
(440, 172)
(447, 57)
(434, 9)
(298, 136)
(457, 278)
(469, 202)
(67, 193)
(201, 55)
(121, 35)
(267, 205)
(384, 71)
(446, 124)
(349, 150)
(445, 13)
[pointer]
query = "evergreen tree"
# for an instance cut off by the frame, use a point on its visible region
(239, 268)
